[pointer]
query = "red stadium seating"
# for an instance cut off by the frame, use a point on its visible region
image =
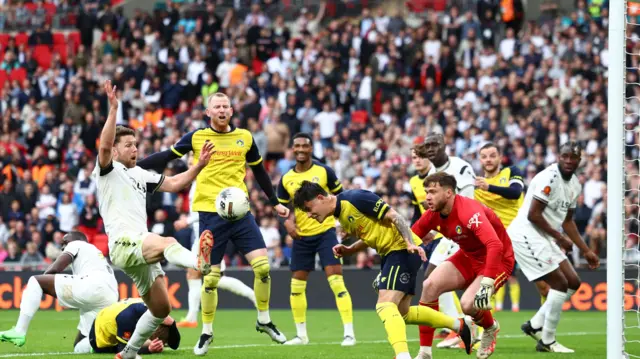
(4, 40)
(101, 241)
(62, 50)
(59, 38)
(42, 55)
(74, 38)
(3, 78)
(18, 74)
(22, 39)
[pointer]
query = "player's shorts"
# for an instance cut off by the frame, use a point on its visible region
(471, 268)
(536, 255)
(125, 251)
(88, 293)
(400, 271)
(244, 233)
(303, 253)
(445, 249)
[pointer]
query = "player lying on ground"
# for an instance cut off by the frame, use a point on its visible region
(122, 197)
(367, 217)
(91, 287)
(114, 324)
(549, 205)
(235, 149)
(482, 264)
(311, 237)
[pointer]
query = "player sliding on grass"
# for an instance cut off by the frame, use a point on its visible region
(366, 216)
(122, 196)
(480, 267)
(90, 288)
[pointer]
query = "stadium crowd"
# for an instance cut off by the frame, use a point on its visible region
(366, 87)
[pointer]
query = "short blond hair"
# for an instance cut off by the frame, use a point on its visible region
(217, 95)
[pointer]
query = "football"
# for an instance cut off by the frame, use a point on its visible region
(232, 204)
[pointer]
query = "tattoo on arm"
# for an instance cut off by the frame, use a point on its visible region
(403, 227)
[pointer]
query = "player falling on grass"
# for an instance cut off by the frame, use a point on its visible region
(502, 190)
(194, 278)
(114, 324)
(482, 264)
(367, 217)
(89, 288)
(311, 237)
(235, 149)
(548, 206)
(122, 191)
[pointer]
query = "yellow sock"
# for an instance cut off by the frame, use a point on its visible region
(209, 299)
(514, 293)
(457, 301)
(394, 325)
(298, 300)
(261, 282)
(500, 294)
(422, 315)
(343, 299)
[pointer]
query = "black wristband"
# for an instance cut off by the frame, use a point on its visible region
(274, 201)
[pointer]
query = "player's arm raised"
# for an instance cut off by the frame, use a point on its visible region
(570, 228)
(405, 230)
(179, 182)
(108, 135)
(159, 160)
(254, 160)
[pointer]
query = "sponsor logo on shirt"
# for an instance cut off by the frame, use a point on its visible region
(475, 219)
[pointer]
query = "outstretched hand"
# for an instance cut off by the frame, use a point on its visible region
(110, 90)
(205, 154)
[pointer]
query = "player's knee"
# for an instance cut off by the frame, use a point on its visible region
(574, 283)
(211, 280)
(559, 283)
(261, 268)
(193, 274)
(466, 302)
(543, 289)
(430, 289)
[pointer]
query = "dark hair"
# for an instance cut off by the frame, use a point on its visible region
(443, 179)
(420, 150)
(303, 135)
(489, 145)
(307, 192)
(122, 131)
(571, 146)
(75, 236)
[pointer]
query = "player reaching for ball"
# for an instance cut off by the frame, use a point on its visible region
(367, 217)
(122, 191)
(548, 206)
(480, 267)
(311, 237)
(235, 149)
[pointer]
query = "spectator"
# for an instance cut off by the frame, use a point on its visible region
(13, 253)
(68, 214)
(272, 238)
(54, 247)
(327, 121)
(31, 257)
(3, 252)
(161, 225)
(4, 231)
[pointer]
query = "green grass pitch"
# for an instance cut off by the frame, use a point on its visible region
(51, 335)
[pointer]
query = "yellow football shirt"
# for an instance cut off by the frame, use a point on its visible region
(115, 324)
(361, 214)
(289, 184)
(418, 194)
(506, 209)
(234, 150)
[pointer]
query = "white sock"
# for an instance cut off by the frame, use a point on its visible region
(404, 355)
(180, 256)
(145, 327)
(556, 300)
(448, 305)
(426, 350)
(348, 330)
(195, 292)
(29, 305)
(237, 287)
(83, 347)
(264, 317)
(538, 319)
(301, 330)
(207, 328)
(570, 292)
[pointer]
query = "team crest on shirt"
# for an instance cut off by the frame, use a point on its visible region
(546, 191)
(240, 143)
(404, 278)
(503, 180)
(315, 179)
(458, 229)
(351, 219)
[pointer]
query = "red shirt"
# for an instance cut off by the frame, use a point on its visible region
(477, 230)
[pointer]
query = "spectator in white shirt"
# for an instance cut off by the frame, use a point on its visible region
(327, 121)
(508, 45)
(593, 188)
(67, 214)
(46, 203)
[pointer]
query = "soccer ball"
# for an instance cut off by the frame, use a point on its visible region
(232, 204)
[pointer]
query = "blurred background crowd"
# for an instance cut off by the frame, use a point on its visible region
(369, 79)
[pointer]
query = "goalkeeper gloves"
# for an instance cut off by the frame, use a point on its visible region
(482, 301)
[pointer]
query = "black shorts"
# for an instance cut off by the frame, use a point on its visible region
(303, 253)
(244, 233)
(400, 271)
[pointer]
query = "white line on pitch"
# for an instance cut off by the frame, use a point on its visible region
(236, 346)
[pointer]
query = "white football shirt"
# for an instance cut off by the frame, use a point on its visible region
(462, 171)
(122, 197)
(549, 187)
(87, 259)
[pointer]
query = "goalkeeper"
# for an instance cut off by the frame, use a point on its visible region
(481, 266)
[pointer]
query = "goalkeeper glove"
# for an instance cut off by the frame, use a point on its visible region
(376, 283)
(482, 301)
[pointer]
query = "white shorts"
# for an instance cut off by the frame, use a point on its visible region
(535, 254)
(445, 249)
(195, 246)
(125, 251)
(89, 293)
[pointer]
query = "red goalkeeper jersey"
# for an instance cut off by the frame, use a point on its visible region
(477, 230)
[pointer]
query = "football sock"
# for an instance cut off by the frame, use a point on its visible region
(298, 301)
(177, 254)
(570, 292)
(514, 293)
(556, 300)
(448, 304)
(210, 299)
(499, 298)
(237, 287)
(262, 287)
(484, 319)
(426, 316)
(538, 319)
(426, 332)
(343, 301)
(195, 286)
(145, 327)
(29, 304)
(394, 325)
(83, 347)
(456, 301)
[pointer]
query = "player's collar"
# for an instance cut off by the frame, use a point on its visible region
(336, 211)
(445, 166)
(231, 128)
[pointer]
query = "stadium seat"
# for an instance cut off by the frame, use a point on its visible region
(42, 55)
(22, 39)
(4, 40)
(3, 78)
(19, 75)
(74, 38)
(59, 39)
(31, 6)
(101, 241)
(359, 117)
(62, 50)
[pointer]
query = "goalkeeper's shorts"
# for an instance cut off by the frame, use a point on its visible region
(471, 268)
